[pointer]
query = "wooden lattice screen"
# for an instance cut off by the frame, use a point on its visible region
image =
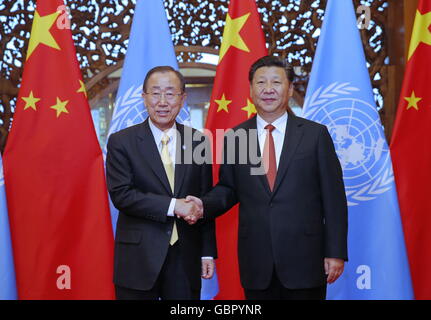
(101, 30)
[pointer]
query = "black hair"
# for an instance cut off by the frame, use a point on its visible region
(164, 69)
(272, 61)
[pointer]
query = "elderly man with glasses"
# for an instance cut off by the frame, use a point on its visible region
(157, 255)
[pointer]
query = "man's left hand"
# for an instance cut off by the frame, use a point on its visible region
(333, 268)
(207, 268)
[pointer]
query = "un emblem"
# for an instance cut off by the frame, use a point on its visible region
(129, 110)
(358, 138)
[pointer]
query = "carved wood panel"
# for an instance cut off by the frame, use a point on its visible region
(101, 30)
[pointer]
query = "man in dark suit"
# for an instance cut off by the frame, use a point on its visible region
(292, 234)
(156, 254)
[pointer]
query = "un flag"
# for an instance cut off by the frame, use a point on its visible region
(339, 95)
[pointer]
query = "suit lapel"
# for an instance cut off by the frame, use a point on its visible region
(292, 138)
(150, 154)
(180, 167)
(262, 177)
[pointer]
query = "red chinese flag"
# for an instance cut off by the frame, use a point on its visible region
(56, 191)
(242, 44)
(411, 152)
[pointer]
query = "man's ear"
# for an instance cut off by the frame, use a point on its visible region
(291, 88)
(183, 98)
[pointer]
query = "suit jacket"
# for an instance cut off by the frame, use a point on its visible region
(297, 225)
(139, 189)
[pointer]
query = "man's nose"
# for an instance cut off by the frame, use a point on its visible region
(163, 99)
(268, 87)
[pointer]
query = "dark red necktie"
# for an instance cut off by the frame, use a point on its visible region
(269, 156)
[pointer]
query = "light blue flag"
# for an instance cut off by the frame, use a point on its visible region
(7, 270)
(339, 95)
(150, 45)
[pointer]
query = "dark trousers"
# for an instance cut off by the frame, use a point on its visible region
(276, 291)
(171, 284)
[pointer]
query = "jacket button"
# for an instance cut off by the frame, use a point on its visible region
(169, 233)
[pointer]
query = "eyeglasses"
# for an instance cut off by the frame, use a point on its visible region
(169, 96)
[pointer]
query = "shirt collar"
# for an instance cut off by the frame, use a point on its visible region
(158, 134)
(279, 124)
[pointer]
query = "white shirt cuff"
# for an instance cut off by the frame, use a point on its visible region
(209, 258)
(171, 207)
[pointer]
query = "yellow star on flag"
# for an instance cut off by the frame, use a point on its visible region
(30, 101)
(82, 88)
(413, 101)
(231, 36)
(250, 108)
(421, 32)
(223, 103)
(40, 32)
(60, 107)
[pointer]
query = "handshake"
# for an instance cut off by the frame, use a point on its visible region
(190, 209)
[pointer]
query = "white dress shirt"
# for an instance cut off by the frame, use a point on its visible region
(278, 134)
